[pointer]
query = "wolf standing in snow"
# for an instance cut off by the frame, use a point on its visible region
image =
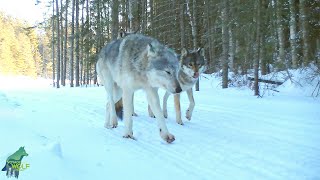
(137, 62)
(192, 63)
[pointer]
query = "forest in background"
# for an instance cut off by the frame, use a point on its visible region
(239, 36)
(20, 48)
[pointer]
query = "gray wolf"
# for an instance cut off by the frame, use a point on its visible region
(192, 63)
(13, 163)
(137, 62)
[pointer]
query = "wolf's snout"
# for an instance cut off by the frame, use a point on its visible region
(178, 89)
(196, 75)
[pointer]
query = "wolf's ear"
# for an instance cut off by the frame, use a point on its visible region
(121, 34)
(200, 51)
(151, 49)
(184, 52)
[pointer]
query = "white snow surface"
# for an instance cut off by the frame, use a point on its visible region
(232, 134)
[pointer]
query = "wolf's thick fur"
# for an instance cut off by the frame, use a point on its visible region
(137, 62)
(192, 65)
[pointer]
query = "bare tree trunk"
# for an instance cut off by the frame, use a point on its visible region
(231, 48)
(98, 38)
(280, 30)
(72, 46)
(77, 45)
(303, 24)
(293, 34)
(53, 49)
(194, 30)
(143, 16)
(82, 43)
(115, 19)
(225, 46)
(58, 44)
(61, 41)
(151, 16)
(257, 49)
(65, 44)
(263, 25)
(130, 16)
(182, 32)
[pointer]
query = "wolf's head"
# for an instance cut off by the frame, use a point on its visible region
(122, 33)
(163, 67)
(193, 63)
(22, 152)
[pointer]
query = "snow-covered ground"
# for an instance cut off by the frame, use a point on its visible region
(232, 134)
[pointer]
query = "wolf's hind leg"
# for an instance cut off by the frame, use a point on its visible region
(127, 98)
(191, 104)
(153, 100)
(110, 107)
(117, 93)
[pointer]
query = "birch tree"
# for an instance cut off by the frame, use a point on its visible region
(281, 38)
(293, 34)
(304, 31)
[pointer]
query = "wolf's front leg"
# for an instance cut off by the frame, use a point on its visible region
(133, 113)
(177, 108)
(165, 109)
(150, 112)
(127, 98)
(153, 100)
(191, 105)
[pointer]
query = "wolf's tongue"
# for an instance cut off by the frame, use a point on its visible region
(196, 75)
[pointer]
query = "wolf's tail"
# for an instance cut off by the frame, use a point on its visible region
(119, 109)
(4, 168)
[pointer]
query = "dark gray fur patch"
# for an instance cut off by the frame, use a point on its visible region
(136, 44)
(111, 50)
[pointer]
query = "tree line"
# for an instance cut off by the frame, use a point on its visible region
(240, 36)
(19, 48)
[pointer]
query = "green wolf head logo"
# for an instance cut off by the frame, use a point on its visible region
(13, 163)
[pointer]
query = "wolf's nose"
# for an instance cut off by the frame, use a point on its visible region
(178, 89)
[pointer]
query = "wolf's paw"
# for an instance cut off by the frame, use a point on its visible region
(128, 135)
(152, 116)
(114, 124)
(134, 114)
(169, 138)
(188, 115)
(165, 114)
(180, 122)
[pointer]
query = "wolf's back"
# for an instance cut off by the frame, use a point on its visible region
(134, 45)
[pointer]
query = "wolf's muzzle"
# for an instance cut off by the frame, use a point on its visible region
(178, 89)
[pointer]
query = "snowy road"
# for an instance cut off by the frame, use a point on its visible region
(232, 135)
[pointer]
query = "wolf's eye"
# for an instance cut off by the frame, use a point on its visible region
(190, 64)
(168, 72)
